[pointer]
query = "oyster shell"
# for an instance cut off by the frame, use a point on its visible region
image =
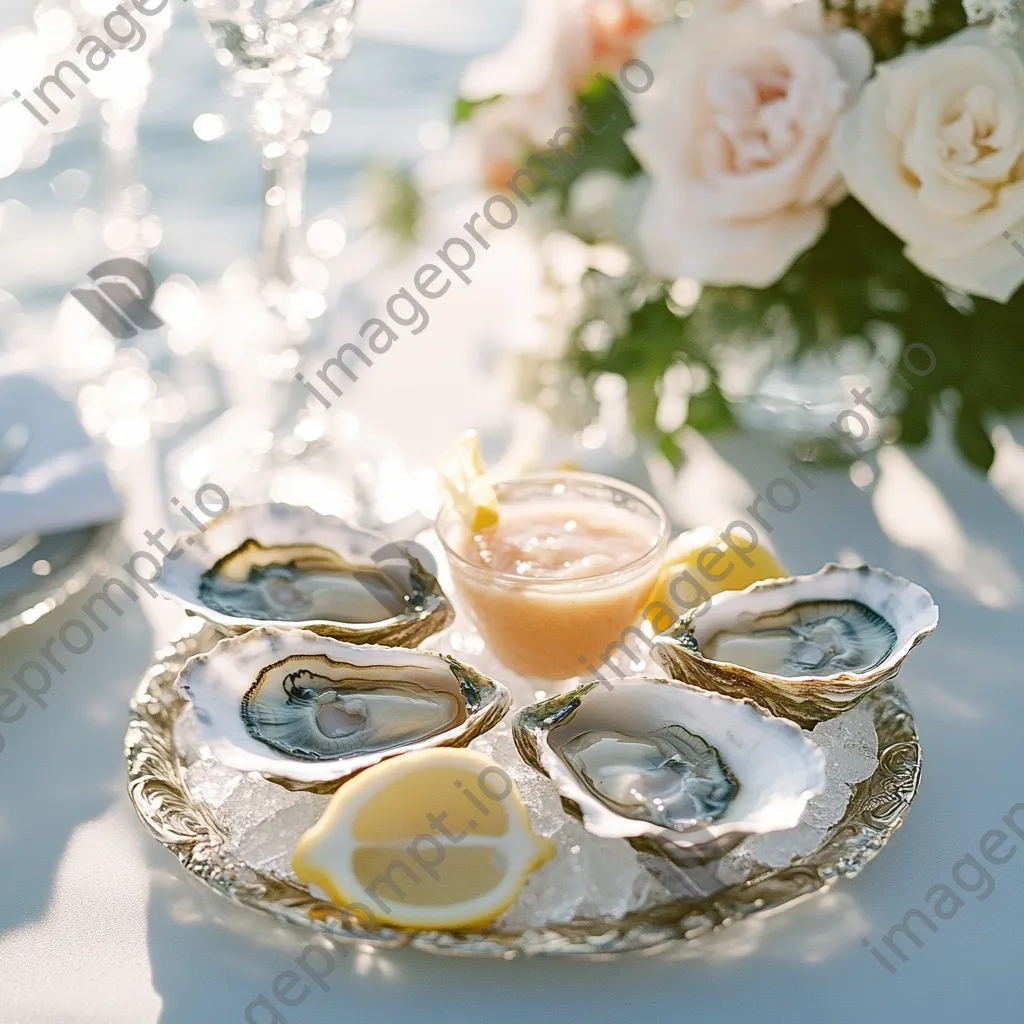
(804, 647)
(670, 767)
(306, 710)
(287, 566)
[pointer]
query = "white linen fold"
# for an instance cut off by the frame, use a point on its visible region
(60, 481)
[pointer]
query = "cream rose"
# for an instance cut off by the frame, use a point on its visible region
(934, 148)
(735, 134)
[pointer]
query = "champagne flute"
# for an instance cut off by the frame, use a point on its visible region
(280, 54)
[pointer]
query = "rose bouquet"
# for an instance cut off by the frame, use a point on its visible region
(760, 180)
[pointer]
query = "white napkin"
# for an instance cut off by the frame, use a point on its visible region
(60, 481)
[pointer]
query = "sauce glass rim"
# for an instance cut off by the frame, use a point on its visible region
(555, 477)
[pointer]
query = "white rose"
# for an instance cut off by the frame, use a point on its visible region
(934, 148)
(735, 134)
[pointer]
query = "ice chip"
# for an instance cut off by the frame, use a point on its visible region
(850, 744)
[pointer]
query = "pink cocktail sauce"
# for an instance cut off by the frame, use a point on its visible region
(556, 581)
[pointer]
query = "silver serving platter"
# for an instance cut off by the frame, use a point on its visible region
(72, 557)
(192, 833)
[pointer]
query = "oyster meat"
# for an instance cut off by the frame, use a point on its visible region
(308, 710)
(319, 713)
(669, 766)
(804, 647)
(809, 638)
(670, 777)
(298, 582)
(289, 566)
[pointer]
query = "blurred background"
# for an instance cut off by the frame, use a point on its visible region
(159, 159)
(170, 159)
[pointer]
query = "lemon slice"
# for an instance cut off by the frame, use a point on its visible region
(464, 477)
(433, 839)
(687, 576)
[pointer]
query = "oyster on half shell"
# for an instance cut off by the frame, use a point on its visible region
(805, 647)
(307, 711)
(670, 767)
(288, 566)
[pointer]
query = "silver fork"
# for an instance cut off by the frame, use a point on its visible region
(12, 445)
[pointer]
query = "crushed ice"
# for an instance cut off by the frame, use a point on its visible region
(588, 877)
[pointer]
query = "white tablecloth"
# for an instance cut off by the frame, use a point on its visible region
(99, 925)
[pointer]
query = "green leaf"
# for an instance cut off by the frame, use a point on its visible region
(601, 147)
(464, 108)
(602, 106)
(668, 447)
(398, 201)
(709, 411)
(973, 441)
(915, 420)
(650, 344)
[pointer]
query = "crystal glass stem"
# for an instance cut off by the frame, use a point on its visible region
(280, 54)
(283, 216)
(282, 238)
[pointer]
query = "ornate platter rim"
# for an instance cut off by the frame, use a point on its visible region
(188, 828)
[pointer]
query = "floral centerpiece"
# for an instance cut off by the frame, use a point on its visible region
(770, 176)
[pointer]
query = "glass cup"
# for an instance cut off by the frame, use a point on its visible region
(541, 624)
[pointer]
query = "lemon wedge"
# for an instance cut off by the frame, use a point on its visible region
(687, 575)
(432, 839)
(465, 478)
